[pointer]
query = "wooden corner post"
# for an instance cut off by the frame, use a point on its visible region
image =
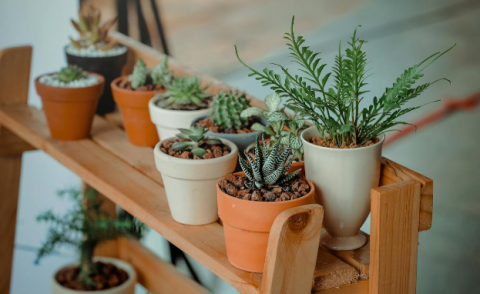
(292, 251)
(14, 80)
(394, 238)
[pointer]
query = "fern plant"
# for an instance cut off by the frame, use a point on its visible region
(269, 167)
(282, 128)
(84, 228)
(196, 138)
(159, 75)
(334, 107)
(185, 93)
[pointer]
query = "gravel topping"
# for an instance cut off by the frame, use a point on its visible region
(52, 80)
(92, 52)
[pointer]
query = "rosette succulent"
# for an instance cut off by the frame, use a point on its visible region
(143, 76)
(185, 93)
(196, 138)
(70, 73)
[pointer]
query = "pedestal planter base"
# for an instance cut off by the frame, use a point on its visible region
(343, 243)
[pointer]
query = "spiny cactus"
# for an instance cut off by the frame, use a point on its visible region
(185, 93)
(196, 138)
(143, 76)
(227, 107)
(70, 73)
(269, 167)
(91, 33)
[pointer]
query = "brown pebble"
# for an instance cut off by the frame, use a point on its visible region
(230, 178)
(256, 196)
(184, 155)
(277, 190)
(247, 196)
(270, 196)
(231, 189)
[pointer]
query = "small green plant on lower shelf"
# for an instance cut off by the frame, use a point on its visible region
(269, 167)
(159, 75)
(282, 128)
(227, 108)
(70, 73)
(185, 93)
(84, 228)
(334, 107)
(196, 139)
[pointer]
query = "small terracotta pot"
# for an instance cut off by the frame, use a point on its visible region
(134, 109)
(70, 111)
(247, 225)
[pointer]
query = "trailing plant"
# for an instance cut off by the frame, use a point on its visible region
(196, 139)
(227, 108)
(334, 107)
(70, 73)
(269, 167)
(91, 32)
(143, 76)
(185, 93)
(84, 228)
(282, 128)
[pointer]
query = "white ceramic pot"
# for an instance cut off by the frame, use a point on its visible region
(343, 179)
(169, 121)
(128, 287)
(191, 184)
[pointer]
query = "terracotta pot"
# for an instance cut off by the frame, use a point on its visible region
(110, 67)
(247, 225)
(70, 111)
(127, 287)
(134, 109)
(343, 179)
(169, 121)
(190, 184)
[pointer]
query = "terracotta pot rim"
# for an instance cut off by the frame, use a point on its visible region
(101, 80)
(160, 154)
(267, 203)
(113, 85)
(305, 141)
(154, 100)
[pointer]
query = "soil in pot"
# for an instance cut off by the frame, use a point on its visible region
(210, 125)
(213, 151)
(133, 106)
(320, 142)
(108, 276)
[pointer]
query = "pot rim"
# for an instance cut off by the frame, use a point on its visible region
(232, 135)
(160, 154)
(96, 57)
(113, 84)
(132, 275)
(152, 104)
(382, 139)
(265, 203)
(101, 80)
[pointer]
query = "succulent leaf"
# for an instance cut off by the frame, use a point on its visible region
(184, 91)
(91, 33)
(70, 73)
(196, 139)
(140, 74)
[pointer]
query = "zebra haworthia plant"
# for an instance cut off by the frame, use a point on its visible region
(196, 139)
(269, 167)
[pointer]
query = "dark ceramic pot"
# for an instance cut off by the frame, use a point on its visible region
(110, 67)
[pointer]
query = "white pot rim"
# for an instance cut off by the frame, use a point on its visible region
(305, 141)
(152, 104)
(132, 275)
(160, 154)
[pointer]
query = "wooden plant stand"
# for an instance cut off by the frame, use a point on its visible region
(126, 175)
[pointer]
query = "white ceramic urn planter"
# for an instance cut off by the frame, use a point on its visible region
(128, 287)
(343, 179)
(191, 184)
(169, 121)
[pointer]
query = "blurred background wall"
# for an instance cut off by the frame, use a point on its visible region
(201, 34)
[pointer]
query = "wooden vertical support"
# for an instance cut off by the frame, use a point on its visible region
(292, 251)
(108, 248)
(394, 238)
(14, 79)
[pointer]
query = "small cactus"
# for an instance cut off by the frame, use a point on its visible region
(70, 73)
(227, 107)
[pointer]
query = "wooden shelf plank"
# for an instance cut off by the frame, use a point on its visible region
(135, 187)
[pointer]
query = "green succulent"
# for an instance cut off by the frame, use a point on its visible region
(160, 73)
(185, 93)
(269, 167)
(278, 120)
(227, 107)
(140, 74)
(196, 139)
(70, 73)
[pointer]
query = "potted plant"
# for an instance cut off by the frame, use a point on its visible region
(184, 101)
(226, 120)
(281, 128)
(96, 53)
(191, 163)
(132, 94)
(249, 202)
(344, 147)
(85, 227)
(69, 99)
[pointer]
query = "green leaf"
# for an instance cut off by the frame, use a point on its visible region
(295, 142)
(181, 145)
(272, 102)
(200, 152)
(345, 129)
(277, 116)
(261, 128)
(253, 111)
